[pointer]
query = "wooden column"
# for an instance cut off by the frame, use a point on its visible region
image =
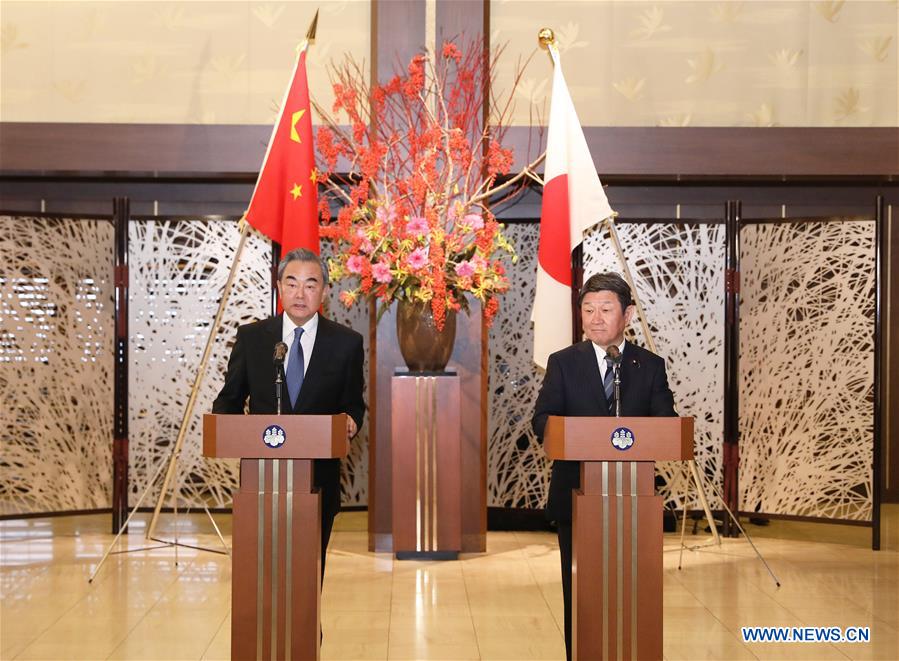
(399, 31)
(121, 215)
(427, 466)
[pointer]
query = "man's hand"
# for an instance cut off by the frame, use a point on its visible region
(351, 428)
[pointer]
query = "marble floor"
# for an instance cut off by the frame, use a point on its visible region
(504, 604)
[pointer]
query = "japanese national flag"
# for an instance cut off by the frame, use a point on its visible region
(573, 202)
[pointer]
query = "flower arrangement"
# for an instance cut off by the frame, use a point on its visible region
(413, 223)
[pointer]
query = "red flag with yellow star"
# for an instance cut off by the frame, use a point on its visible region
(284, 205)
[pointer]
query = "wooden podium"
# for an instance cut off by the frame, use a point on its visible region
(616, 577)
(276, 543)
(427, 466)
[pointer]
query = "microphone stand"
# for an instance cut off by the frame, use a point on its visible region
(279, 384)
(616, 371)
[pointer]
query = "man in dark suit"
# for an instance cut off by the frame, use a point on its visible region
(323, 367)
(577, 381)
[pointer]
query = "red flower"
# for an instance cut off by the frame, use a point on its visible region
(499, 160)
(326, 147)
(324, 209)
(490, 310)
(450, 50)
(416, 81)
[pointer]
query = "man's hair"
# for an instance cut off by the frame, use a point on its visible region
(303, 255)
(607, 282)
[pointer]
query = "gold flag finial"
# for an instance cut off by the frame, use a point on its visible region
(547, 37)
(310, 33)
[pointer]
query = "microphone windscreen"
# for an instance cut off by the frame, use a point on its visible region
(280, 352)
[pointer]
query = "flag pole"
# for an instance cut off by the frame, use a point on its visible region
(213, 332)
(641, 315)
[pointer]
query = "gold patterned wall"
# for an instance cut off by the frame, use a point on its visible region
(166, 62)
(628, 63)
(706, 63)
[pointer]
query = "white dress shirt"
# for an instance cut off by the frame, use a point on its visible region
(601, 358)
(307, 341)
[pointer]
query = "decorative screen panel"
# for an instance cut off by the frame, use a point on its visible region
(807, 368)
(178, 269)
(56, 346)
(678, 271)
(517, 468)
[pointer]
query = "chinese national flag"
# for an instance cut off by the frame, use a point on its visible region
(284, 205)
(573, 202)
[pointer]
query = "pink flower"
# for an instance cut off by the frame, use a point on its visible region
(418, 258)
(386, 214)
(354, 264)
(465, 269)
(417, 226)
(479, 262)
(366, 245)
(475, 220)
(381, 272)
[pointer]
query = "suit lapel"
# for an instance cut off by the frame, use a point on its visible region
(320, 352)
(274, 330)
(591, 374)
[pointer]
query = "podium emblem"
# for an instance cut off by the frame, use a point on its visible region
(622, 438)
(274, 436)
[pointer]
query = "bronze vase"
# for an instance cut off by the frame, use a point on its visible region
(424, 348)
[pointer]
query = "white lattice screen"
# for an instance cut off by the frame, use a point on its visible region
(56, 341)
(807, 368)
(805, 444)
(178, 269)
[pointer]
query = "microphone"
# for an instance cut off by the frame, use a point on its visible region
(278, 359)
(280, 353)
(615, 355)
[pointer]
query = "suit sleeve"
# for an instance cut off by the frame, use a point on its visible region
(661, 403)
(352, 400)
(551, 399)
(233, 395)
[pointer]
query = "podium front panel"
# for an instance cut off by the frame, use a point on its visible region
(617, 565)
(276, 561)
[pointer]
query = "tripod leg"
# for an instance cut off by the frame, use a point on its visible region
(700, 492)
(175, 510)
(127, 521)
(217, 531)
(748, 538)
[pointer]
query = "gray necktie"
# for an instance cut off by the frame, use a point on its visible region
(608, 382)
(295, 367)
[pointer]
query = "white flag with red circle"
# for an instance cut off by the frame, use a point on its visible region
(573, 202)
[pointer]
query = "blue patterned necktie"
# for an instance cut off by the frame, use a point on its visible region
(608, 382)
(295, 367)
